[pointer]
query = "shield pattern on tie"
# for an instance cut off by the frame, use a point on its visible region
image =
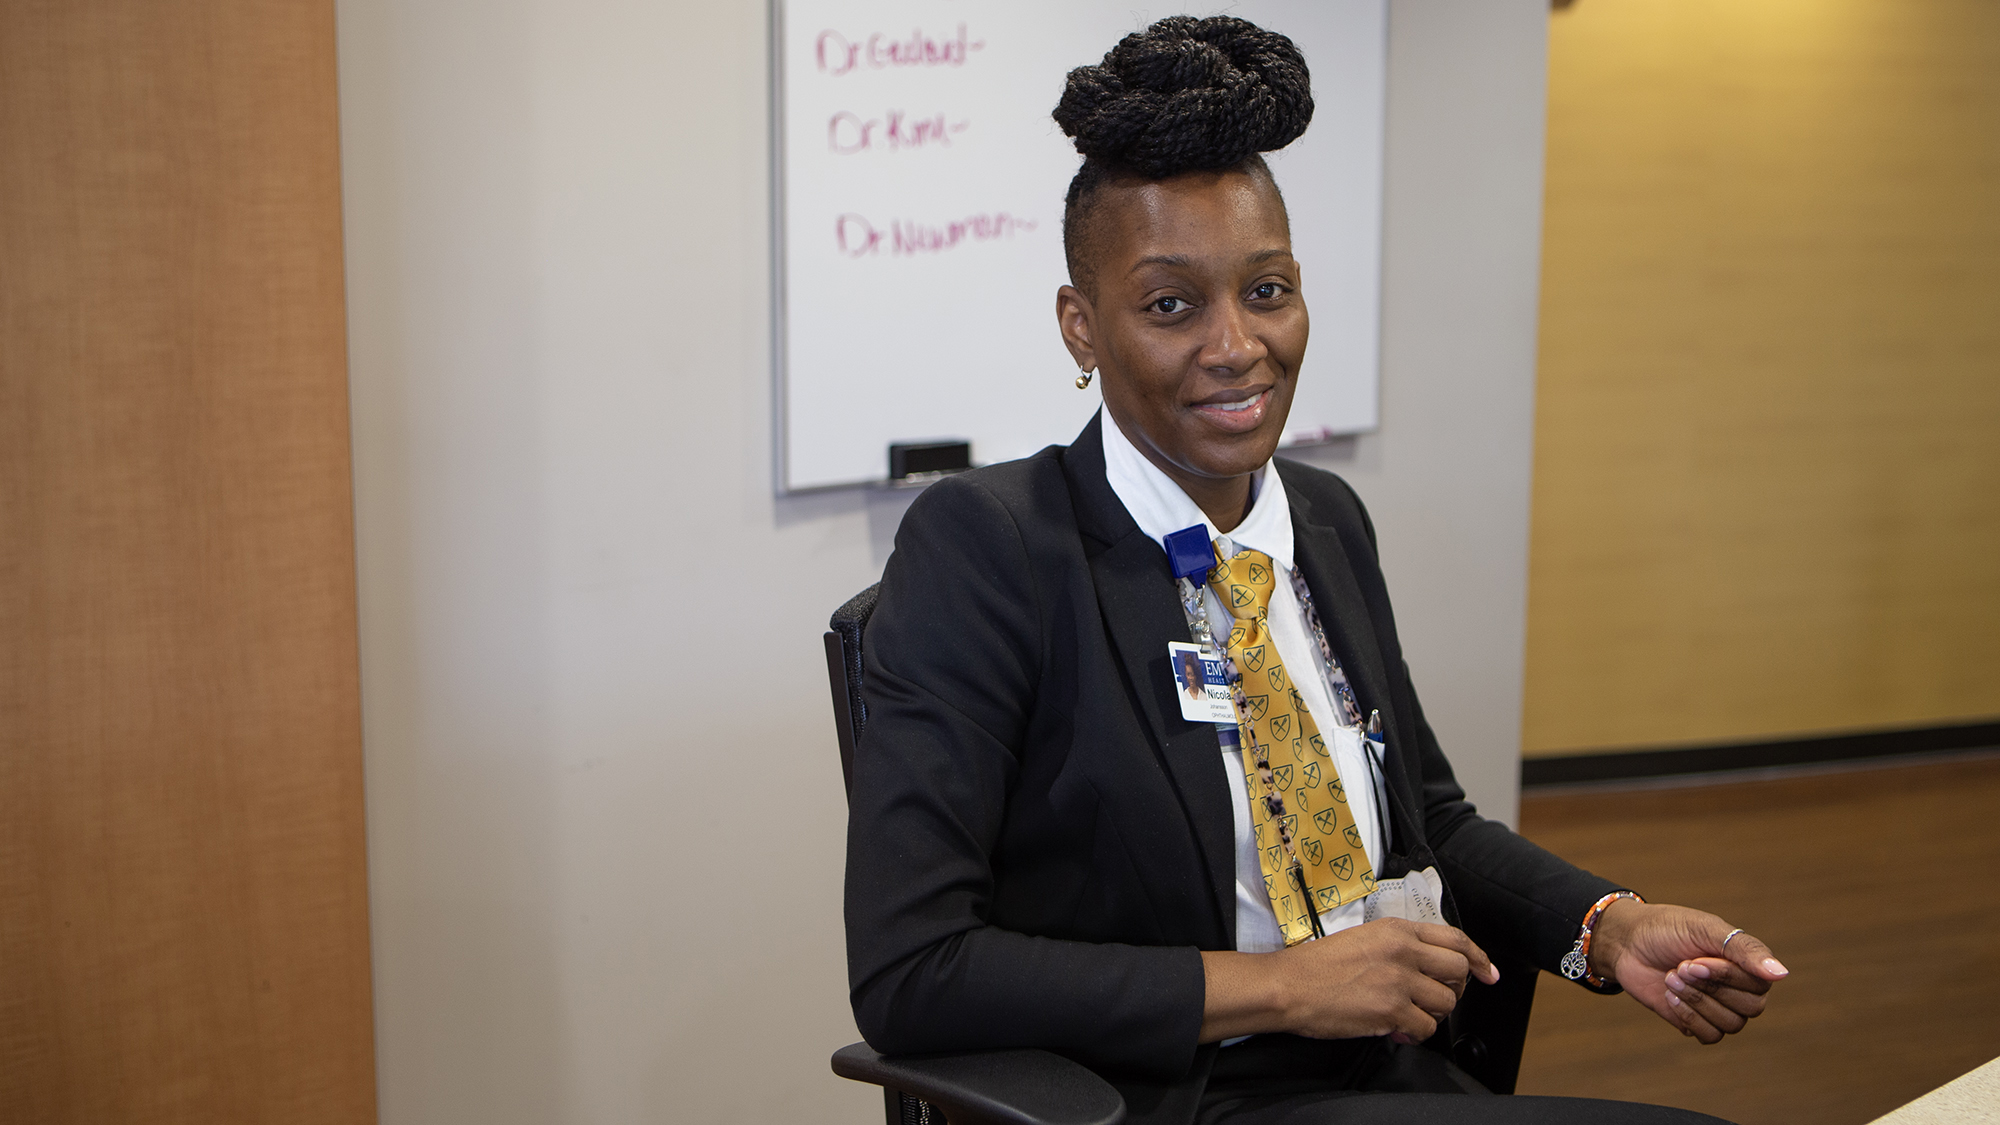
(1323, 847)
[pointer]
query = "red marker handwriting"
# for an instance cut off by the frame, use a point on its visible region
(850, 133)
(859, 238)
(840, 55)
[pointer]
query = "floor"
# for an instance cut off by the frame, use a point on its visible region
(1877, 887)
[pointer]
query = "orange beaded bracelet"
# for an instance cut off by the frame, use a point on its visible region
(1576, 963)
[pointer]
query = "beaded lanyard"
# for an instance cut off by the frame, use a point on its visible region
(1336, 678)
(1343, 693)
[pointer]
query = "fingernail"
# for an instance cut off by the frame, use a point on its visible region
(1673, 1000)
(1772, 965)
(1495, 970)
(1698, 972)
(1674, 982)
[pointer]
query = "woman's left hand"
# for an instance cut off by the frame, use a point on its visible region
(1676, 961)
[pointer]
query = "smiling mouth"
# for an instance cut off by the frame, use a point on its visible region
(1240, 417)
(1236, 407)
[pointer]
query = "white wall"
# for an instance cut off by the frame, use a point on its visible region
(1447, 477)
(590, 905)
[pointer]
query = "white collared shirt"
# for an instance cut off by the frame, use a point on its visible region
(1159, 507)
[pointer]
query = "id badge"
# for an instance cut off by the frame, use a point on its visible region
(1199, 683)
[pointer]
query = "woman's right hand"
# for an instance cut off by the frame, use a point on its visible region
(1389, 977)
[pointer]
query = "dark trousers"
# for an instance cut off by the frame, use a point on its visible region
(1285, 1080)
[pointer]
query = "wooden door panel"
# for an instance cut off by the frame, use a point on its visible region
(183, 898)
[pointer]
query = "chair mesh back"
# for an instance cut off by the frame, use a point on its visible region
(850, 621)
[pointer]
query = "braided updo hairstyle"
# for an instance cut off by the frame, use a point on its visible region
(1184, 95)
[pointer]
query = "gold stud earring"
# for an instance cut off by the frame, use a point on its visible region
(1083, 380)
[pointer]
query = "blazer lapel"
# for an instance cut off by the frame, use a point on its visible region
(1135, 593)
(1350, 631)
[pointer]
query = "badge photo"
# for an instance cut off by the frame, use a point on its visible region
(1199, 684)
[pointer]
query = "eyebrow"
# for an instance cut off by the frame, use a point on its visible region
(1181, 260)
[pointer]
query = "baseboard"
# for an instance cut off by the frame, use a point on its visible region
(1636, 764)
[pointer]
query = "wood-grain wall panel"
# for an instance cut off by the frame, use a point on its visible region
(1767, 469)
(183, 910)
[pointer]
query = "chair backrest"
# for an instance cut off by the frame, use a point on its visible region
(850, 716)
(843, 673)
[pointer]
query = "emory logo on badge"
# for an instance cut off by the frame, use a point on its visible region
(1199, 684)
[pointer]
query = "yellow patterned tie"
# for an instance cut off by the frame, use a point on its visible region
(1305, 831)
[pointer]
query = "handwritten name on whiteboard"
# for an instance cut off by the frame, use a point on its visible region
(896, 131)
(840, 55)
(859, 238)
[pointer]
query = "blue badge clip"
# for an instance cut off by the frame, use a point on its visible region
(1190, 553)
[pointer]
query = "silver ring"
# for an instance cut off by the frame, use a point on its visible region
(1731, 934)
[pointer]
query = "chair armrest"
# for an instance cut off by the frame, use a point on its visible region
(1025, 1087)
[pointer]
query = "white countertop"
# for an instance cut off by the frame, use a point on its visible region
(1973, 1099)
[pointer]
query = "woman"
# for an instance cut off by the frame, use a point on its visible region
(1042, 852)
(1193, 683)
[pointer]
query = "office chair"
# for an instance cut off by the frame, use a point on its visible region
(1483, 1035)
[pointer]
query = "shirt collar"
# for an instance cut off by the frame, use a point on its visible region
(1159, 506)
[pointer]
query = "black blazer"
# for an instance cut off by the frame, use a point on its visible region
(1039, 846)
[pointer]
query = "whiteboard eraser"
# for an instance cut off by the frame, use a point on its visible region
(928, 459)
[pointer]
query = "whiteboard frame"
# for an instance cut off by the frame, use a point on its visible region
(780, 394)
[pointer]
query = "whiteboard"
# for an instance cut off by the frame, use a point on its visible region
(918, 196)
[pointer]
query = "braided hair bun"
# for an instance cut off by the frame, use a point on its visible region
(1184, 95)
(1188, 94)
